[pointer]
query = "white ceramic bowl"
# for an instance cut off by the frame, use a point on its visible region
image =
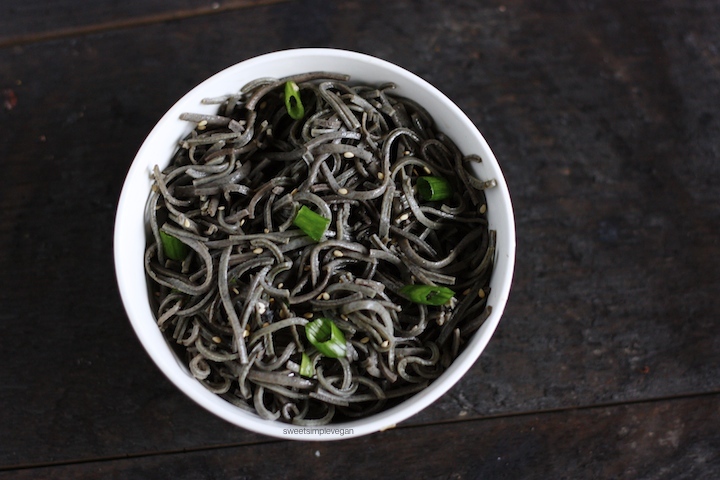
(131, 224)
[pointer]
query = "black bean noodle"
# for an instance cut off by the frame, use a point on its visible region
(235, 307)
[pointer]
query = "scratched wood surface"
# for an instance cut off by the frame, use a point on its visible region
(604, 117)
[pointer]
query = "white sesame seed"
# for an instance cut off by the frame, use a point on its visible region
(343, 191)
(308, 315)
(325, 296)
(348, 154)
(258, 251)
(217, 339)
(186, 223)
(481, 293)
(202, 123)
(427, 170)
(403, 217)
(483, 208)
(236, 291)
(385, 344)
(261, 307)
(380, 175)
(338, 253)
(365, 340)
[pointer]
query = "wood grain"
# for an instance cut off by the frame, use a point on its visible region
(603, 115)
(673, 440)
(31, 22)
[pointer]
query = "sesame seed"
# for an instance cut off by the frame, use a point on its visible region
(403, 217)
(338, 253)
(217, 339)
(427, 170)
(481, 293)
(380, 175)
(266, 324)
(202, 123)
(385, 344)
(261, 307)
(483, 208)
(467, 291)
(348, 154)
(365, 340)
(246, 332)
(186, 223)
(343, 191)
(236, 291)
(281, 285)
(325, 296)
(308, 315)
(258, 251)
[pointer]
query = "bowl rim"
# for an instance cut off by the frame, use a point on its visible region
(127, 218)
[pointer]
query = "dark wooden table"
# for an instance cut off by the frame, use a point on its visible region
(605, 118)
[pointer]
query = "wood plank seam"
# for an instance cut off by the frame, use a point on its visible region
(215, 8)
(269, 441)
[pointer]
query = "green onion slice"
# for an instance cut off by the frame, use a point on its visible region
(307, 369)
(324, 335)
(173, 248)
(313, 224)
(292, 101)
(427, 294)
(434, 188)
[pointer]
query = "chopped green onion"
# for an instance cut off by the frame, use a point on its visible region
(292, 101)
(306, 366)
(427, 294)
(324, 335)
(313, 224)
(434, 188)
(173, 248)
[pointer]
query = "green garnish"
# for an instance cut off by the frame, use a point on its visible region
(427, 294)
(306, 366)
(313, 224)
(173, 248)
(324, 335)
(434, 188)
(292, 101)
